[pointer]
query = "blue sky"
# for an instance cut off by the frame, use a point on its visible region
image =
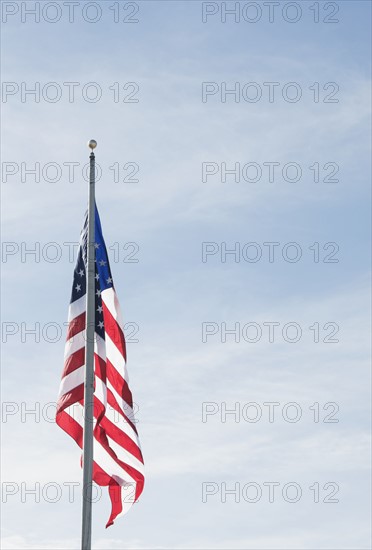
(170, 292)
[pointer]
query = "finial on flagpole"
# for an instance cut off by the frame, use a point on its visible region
(92, 144)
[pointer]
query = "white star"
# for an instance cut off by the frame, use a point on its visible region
(99, 309)
(96, 245)
(100, 324)
(78, 288)
(81, 272)
(97, 277)
(109, 280)
(98, 293)
(102, 262)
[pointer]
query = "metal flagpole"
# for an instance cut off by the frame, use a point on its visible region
(86, 534)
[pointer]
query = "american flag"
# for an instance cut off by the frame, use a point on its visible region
(117, 457)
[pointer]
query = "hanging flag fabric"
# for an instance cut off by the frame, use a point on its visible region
(117, 457)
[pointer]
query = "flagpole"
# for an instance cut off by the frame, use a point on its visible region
(86, 534)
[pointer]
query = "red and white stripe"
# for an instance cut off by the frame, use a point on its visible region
(117, 457)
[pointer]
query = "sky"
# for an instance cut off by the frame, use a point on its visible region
(233, 190)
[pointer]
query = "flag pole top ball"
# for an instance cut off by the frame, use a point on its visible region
(92, 144)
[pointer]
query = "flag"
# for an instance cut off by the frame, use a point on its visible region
(117, 456)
